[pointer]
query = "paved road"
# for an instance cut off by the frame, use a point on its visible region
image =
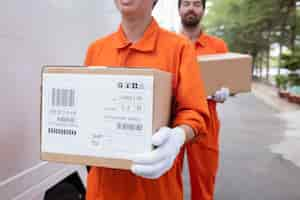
(249, 170)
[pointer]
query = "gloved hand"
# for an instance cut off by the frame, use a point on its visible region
(220, 96)
(154, 164)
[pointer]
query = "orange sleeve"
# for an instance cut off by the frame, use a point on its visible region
(89, 56)
(222, 47)
(191, 105)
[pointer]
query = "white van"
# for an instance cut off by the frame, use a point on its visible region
(34, 33)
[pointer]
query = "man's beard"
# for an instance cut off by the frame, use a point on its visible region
(190, 20)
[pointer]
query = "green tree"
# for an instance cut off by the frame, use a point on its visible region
(253, 26)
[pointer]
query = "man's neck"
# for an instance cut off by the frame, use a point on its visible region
(134, 27)
(192, 33)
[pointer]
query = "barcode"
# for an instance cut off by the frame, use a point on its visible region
(63, 97)
(62, 131)
(131, 127)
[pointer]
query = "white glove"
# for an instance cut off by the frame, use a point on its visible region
(220, 96)
(154, 164)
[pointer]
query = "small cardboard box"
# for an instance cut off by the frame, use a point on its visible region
(229, 70)
(101, 116)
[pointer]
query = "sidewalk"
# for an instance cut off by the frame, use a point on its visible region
(269, 95)
(289, 113)
(249, 170)
(289, 147)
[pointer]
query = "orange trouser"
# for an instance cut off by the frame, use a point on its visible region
(203, 159)
(109, 184)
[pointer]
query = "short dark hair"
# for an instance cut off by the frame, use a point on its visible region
(155, 2)
(203, 4)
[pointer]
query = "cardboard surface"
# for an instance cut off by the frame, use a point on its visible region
(229, 70)
(101, 116)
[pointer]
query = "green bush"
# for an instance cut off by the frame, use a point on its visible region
(281, 81)
(294, 79)
(291, 61)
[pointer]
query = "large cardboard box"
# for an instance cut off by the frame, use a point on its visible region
(231, 70)
(101, 116)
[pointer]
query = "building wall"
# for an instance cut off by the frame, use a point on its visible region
(166, 13)
(34, 33)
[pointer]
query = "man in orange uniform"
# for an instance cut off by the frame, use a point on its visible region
(140, 42)
(203, 154)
